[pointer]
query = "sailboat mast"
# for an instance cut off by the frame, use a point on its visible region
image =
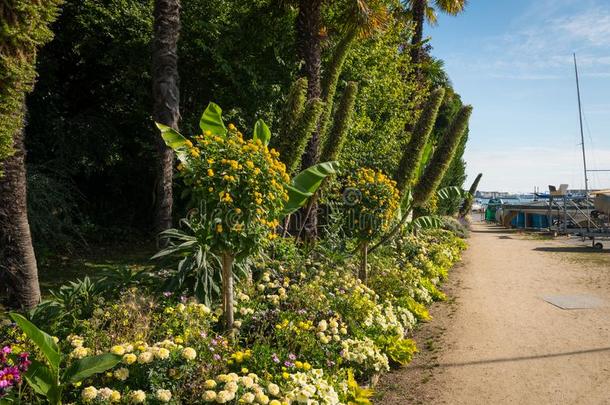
(582, 135)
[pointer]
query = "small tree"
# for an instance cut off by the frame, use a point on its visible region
(240, 190)
(371, 200)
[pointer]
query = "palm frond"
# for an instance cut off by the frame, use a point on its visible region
(452, 7)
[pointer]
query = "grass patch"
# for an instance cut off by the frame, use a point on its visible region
(56, 270)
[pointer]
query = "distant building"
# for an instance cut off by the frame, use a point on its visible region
(491, 194)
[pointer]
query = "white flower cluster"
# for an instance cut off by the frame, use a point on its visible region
(276, 289)
(330, 330)
(365, 353)
(311, 388)
(246, 389)
(79, 350)
(406, 317)
(384, 318)
(422, 295)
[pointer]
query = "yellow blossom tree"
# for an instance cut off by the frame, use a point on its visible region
(371, 199)
(239, 190)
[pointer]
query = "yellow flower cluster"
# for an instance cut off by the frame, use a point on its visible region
(376, 204)
(241, 356)
(239, 185)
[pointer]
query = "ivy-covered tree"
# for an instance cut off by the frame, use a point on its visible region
(412, 155)
(25, 28)
(442, 157)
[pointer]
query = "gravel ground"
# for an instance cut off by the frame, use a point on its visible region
(496, 341)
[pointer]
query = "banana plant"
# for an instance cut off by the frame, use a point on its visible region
(300, 188)
(406, 221)
(47, 378)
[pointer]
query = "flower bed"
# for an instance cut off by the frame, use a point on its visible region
(305, 332)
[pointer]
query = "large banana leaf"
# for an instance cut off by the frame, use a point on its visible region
(45, 343)
(262, 132)
(426, 222)
(88, 366)
(425, 158)
(40, 377)
(406, 203)
(306, 183)
(173, 140)
(450, 193)
(211, 120)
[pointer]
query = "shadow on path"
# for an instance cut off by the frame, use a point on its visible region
(493, 230)
(519, 358)
(571, 249)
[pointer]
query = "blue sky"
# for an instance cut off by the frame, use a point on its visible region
(512, 60)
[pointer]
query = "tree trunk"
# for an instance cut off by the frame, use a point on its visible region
(418, 12)
(364, 258)
(308, 25)
(166, 94)
(227, 290)
(18, 270)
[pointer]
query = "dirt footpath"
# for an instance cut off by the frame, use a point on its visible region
(498, 342)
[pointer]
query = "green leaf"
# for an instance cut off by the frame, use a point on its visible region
(172, 138)
(450, 193)
(305, 184)
(262, 132)
(427, 222)
(425, 158)
(40, 377)
(45, 343)
(211, 120)
(406, 203)
(87, 366)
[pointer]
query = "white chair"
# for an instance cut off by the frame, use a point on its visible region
(563, 189)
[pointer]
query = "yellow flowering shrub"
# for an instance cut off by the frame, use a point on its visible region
(238, 188)
(371, 199)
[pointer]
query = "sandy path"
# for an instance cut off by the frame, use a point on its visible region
(501, 343)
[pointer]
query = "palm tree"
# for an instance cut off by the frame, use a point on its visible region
(425, 10)
(166, 95)
(309, 48)
(360, 18)
(25, 29)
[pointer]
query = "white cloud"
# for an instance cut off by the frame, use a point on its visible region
(592, 27)
(541, 41)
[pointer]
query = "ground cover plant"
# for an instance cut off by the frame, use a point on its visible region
(301, 329)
